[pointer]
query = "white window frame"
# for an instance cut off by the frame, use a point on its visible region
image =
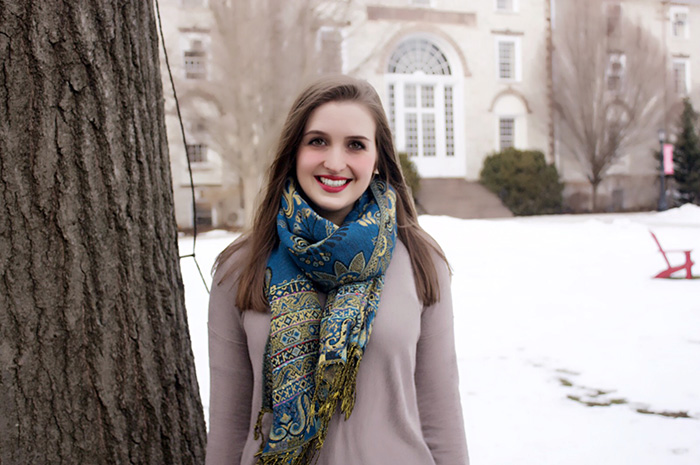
(515, 7)
(442, 164)
(686, 64)
(674, 11)
(518, 62)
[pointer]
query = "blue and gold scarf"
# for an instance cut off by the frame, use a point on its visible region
(313, 351)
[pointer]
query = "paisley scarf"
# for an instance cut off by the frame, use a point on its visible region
(313, 352)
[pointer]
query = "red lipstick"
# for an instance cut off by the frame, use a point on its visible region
(332, 188)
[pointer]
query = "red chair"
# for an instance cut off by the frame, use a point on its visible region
(688, 265)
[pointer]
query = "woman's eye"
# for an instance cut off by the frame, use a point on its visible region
(356, 145)
(317, 142)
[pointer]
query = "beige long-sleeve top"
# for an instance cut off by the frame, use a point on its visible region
(407, 409)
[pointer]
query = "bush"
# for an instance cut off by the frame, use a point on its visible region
(524, 181)
(410, 173)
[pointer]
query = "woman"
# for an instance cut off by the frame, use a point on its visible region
(330, 324)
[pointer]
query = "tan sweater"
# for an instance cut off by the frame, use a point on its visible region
(407, 410)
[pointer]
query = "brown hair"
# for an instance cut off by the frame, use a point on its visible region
(261, 239)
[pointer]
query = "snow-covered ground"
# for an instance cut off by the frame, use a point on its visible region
(569, 352)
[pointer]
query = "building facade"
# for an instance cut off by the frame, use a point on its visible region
(459, 80)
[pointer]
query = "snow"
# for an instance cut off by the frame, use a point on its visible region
(551, 313)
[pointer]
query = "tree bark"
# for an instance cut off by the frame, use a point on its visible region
(96, 365)
(594, 196)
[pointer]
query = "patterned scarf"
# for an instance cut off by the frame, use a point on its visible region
(313, 352)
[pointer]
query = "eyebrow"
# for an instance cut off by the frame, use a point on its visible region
(321, 133)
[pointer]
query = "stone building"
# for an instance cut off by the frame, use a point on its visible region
(459, 80)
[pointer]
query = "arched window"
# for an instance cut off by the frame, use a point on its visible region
(418, 55)
(422, 100)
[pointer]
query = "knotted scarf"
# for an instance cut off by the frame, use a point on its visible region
(313, 352)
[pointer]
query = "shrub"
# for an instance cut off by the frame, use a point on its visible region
(410, 173)
(686, 157)
(526, 184)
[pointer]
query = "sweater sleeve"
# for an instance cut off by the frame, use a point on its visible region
(437, 380)
(231, 376)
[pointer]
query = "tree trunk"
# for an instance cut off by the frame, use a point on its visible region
(594, 195)
(96, 365)
(251, 190)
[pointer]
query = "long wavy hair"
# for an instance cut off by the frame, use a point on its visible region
(258, 242)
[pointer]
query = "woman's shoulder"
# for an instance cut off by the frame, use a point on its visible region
(229, 262)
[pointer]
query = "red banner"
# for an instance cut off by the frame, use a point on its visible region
(668, 158)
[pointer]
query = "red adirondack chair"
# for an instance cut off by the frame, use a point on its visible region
(688, 265)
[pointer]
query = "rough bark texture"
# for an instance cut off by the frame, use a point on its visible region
(96, 365)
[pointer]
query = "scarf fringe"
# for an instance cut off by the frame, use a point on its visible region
(342, 389)
(307, 452)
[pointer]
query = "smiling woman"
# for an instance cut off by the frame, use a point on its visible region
(348, 305)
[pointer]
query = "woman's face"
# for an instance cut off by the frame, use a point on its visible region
(336, 158)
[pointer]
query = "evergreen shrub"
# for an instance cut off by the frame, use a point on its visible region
(686, 157)
(410, 173)
(526, 184)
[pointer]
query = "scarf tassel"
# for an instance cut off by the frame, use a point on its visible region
(342, 389)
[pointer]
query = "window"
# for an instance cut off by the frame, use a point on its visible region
(613, 13)
(681, 75)
(506, 133)
(203, 214)
(510, 6)
(680, 27)
(195, 61)
(419, 55)
(197, 153)
(508, 53)
(331, 42)
(449, 123)
(615, 71)
(421, 109)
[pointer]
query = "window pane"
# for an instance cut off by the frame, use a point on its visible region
(197, 153)
(506, 60)
(428, 120)
(411, 134)
(679, 24)
(504, 5)
(418, 55)
(409, 96)
(449, 123)
(195, 60)
(679, 77)
(427, 96)
(203, 214)
(392, 109)
(506, 133)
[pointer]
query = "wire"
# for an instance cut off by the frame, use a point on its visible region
(184, 141)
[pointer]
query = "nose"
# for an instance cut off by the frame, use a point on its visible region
(335, 159)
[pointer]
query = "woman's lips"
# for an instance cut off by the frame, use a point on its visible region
(332, 183)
